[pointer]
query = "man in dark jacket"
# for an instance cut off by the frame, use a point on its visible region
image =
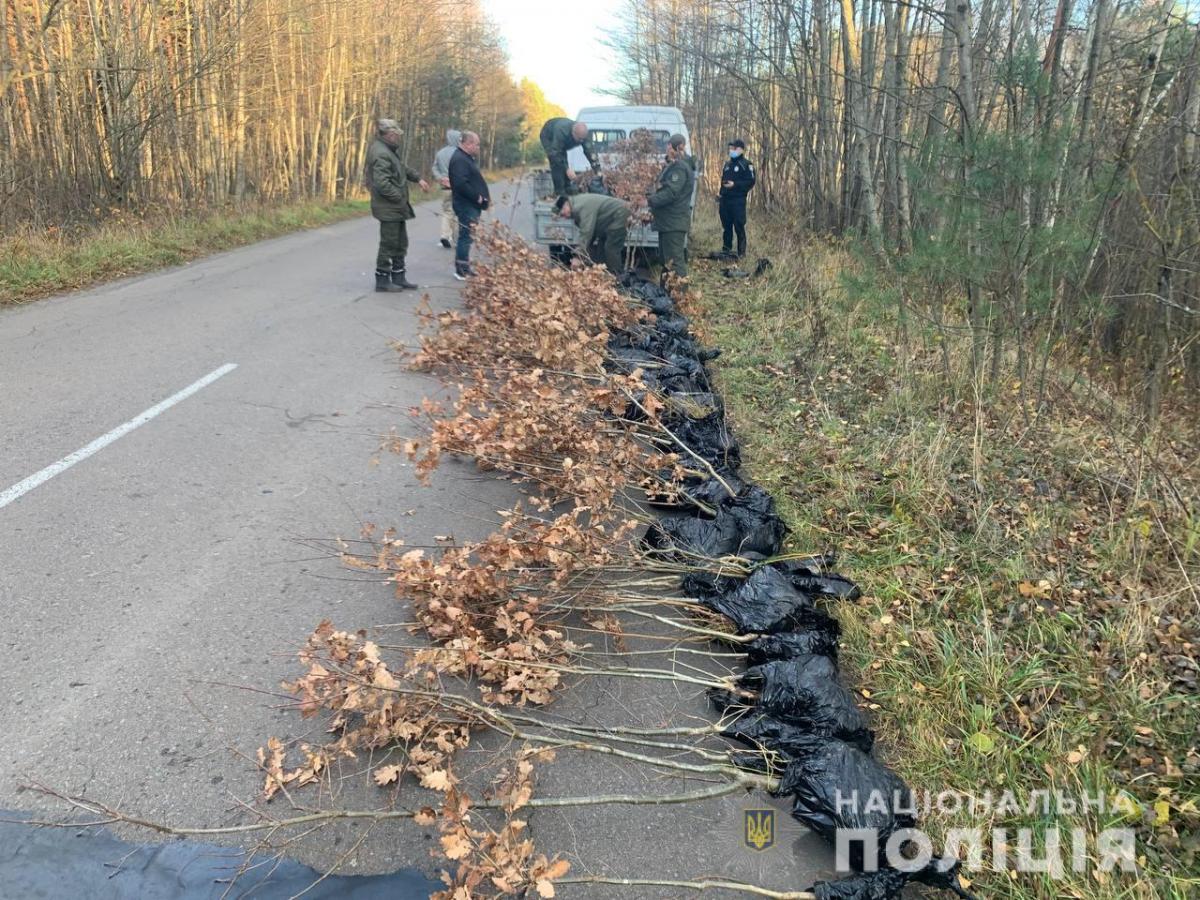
(559, 135)
(601, 220)
(387, 179)
(470, 199)
(736, 180)
(671, 206)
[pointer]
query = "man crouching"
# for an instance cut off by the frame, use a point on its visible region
(602, 221)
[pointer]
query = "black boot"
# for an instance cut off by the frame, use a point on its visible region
(741, 247)
(383, 283)
(400, 282)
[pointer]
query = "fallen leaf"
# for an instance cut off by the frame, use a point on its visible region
(386, 775)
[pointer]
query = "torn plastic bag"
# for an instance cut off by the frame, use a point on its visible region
(805, 691)
(812, 576)
(836, 786)
(808, 565)
(763, 603)
(827, 586)
(757, 729)
(790, 644)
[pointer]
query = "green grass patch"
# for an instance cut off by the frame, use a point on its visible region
(1029, 618)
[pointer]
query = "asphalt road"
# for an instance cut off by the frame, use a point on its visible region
(154, 589)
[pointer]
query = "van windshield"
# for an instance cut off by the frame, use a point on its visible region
(660, 138)
(602, 138)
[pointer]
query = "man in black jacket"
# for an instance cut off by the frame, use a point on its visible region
(560, 135)
(736, 180)
(470, 199)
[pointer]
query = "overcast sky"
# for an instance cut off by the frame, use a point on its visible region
(535, 32)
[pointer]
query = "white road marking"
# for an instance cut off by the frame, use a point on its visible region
(28, 484)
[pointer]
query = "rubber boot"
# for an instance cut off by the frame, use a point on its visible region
(383, 283)
(741, 247)
(400, 281)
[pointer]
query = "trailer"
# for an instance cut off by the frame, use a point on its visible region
(606, 126)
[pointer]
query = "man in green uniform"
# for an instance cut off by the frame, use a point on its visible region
(387, 179)
(671, 206)
(559, 135)
(602, 220)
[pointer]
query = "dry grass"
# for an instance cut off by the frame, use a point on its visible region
(37, 264)
(1032, 582)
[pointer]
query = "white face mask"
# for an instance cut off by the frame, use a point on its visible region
(735, 153)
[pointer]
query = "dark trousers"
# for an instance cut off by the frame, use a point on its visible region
(672, 250)
(610, 246)
(468, 218)
(393, 246)
(558, 174)
(733, 218)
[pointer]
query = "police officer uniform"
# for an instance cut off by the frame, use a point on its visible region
(739, 174)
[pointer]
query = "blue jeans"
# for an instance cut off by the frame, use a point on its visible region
(468, 218)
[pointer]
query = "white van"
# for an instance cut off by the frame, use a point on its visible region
(606, 126)
(609, 124)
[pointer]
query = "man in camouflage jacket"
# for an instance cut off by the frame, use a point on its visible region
(387, 179)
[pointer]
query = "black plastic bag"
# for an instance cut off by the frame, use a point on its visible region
(889, 884)
(757, 729)
(754, 510)
(672, 323)
(805, 691)
(812, 576)
(763, 603)
(693, 536)
(886, 884)
(694, 492)
(834, 786)
(744, 524)
(710, 439)
(837, 586)
(817, 641)
(649, 292)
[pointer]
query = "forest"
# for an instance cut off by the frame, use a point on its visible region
(1020, 173)
(181, 105)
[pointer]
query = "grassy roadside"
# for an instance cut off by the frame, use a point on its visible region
(37, 264)
(1031, 588)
